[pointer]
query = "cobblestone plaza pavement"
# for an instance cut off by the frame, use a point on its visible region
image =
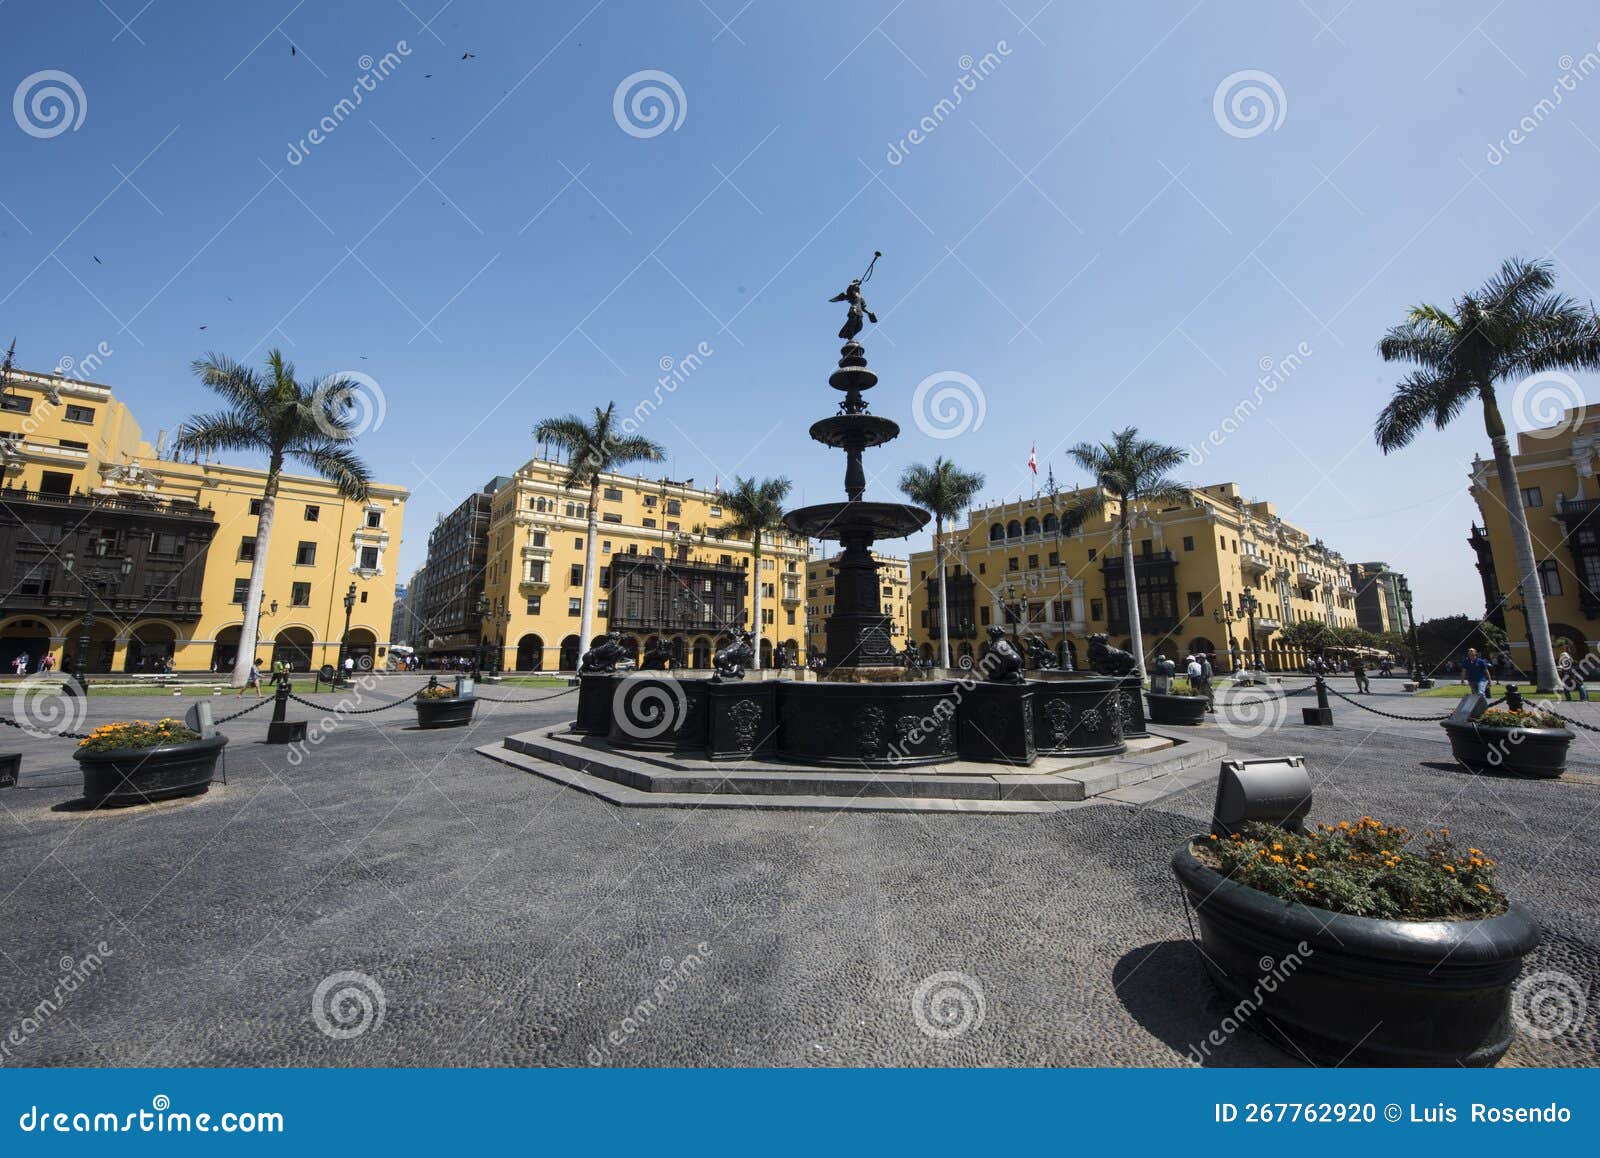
(495, 918)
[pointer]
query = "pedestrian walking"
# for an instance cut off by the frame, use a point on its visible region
(1358, 668)
(1207, 673)
(253, 680)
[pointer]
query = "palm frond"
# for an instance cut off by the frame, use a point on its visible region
(1421, 397)
(221, 430)
(1516, 286)
(942, 488)
(334, 460)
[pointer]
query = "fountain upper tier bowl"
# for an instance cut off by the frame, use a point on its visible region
(834, 521)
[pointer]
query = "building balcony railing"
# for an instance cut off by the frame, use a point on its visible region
(1569, 508)
(1253, 562)
(1266, 625)
(134, 504)
(534, 586)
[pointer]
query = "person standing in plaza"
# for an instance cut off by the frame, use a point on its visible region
(1571, 676)
(1475, 672)
(1358, 668)
(1207, 674)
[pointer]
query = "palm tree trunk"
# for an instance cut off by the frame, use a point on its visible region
(1131, 583)
(1544, 658)
(590, 546)
(250, 632)
(755, 588)
(944, 593)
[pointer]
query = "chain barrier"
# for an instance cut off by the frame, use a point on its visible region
(356, 711)
(41, 732)
(1573, 723)
(258, 704)
(524, 699)
(1396, 716)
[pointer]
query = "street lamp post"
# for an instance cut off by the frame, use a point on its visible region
(1249, 606)
(1224, 615)
(88, 578)
(483, 616)
(1418, 668)
(344, 640)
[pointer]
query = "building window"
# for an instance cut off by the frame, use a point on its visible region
(603, 607)
(983, 616)
(674, 507)
(613, 494)
(1093, 554)
(255, 506)
(247, 549)
(300, 595)
(241, 589)
(16, 404)
(533, 604)
(1055, 558)
(55, 482)
(610, 517)
(576, 575)
(1097, 609)
(374, 519)
(1222, 542)
(83, 414)
(1532, 497)
(369, 558)
(649, 522)
(574, 607)
(716, 512)
(1033, 562)
(790, 614)
(671, 526)
(1550, 577)
(1011, 563)
(577, 544)
(538, 538)
(313, 513)
(305, 554)
(1197, 603)
(1188, 542)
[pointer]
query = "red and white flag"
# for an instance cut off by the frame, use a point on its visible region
(1033, 458)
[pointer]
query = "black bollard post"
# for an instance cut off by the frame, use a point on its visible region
(1514, 701)
(1320, 716)
(282, 730)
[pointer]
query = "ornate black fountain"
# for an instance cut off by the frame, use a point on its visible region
(864, 714)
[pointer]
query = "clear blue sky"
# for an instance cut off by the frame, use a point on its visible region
(1080, 235)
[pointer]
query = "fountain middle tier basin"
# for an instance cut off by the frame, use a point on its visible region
(834, 521)
(860, 431)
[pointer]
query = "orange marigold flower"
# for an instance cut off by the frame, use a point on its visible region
(1277, 860)
(1449, 868)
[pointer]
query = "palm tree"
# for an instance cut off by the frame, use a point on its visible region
(593, 449)
(1512, 326)
(755, 509)
(275, 414)
(1131, 470)
(946, 490)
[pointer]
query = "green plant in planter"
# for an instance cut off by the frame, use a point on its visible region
(1181, 686)
(1526, 718)
(437, 692)
(1361, 868)
(136, 734)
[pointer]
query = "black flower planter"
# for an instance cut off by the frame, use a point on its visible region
(1532, 752)
(1186, 711)
(447, 713)
(119, 777)
(1362, 991)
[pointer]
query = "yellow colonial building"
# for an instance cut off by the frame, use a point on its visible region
(1195, 562)
(894, 598)
(95, 519)
(1556, 472)
(669, 576)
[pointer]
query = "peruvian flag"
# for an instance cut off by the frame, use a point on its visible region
(1033, 458)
